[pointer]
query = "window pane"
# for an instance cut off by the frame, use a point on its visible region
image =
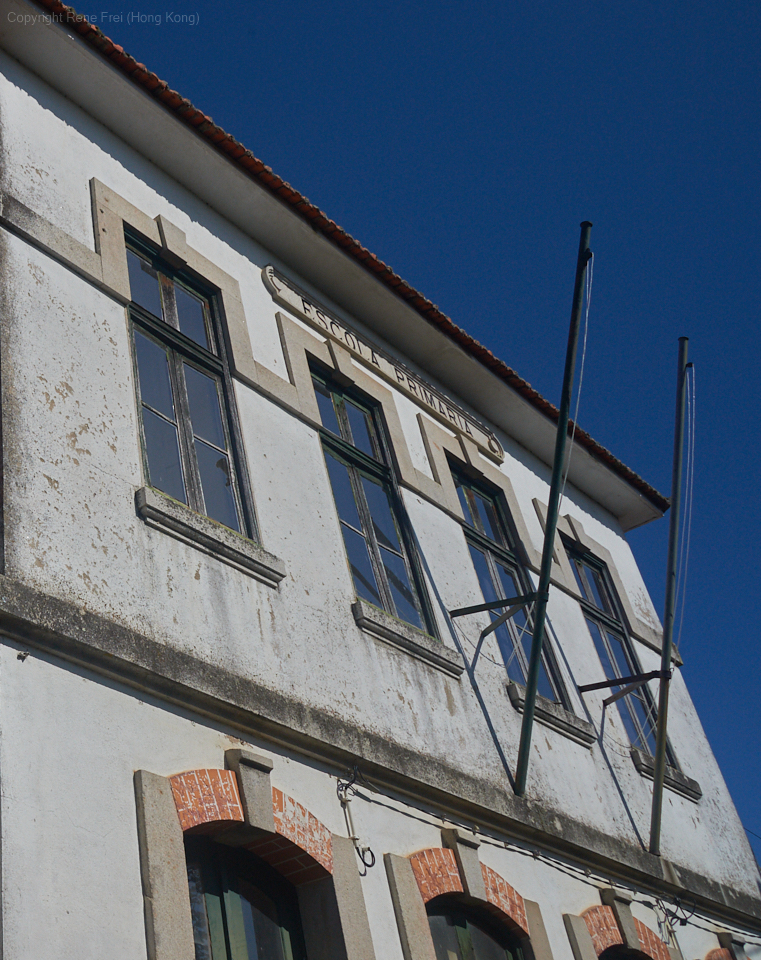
(484, 576)
(639, 704)
(198, 913)
(380, 511)
(466, 512)
(153, 370)
(327, 410)
(401, 589)
(360, 430)
(216, 483)
(360, 566)
(602, 651)
(190, 316)
(342, 491)
(144, 284)
(619, 654)
(165, 472)
(205, 415)
(445, 940)
(488, 518)
(484, 947)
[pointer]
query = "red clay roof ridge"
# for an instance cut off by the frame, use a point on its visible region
(204, 125)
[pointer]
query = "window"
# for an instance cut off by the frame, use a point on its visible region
(458, 935)
(242, 909)
(189, 434)
(601, 610)
(500, 576)
(373, 522)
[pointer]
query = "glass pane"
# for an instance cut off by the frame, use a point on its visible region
(144, 284)
(466, 512)
(622, 661)
(380, 511)
(153, 370)
(327, 410)
(342, 491)
(402, 590)
(638, 703)
(484, 576)
(583, 590)
(360, 430)
(445, 940)
(602, 650)
(164, 469)
(205, 415)
(216, 483)
(484, 946)
(198, 913)
(360, 566)
(265, 941)
(191, 316)
(488, 518)
(592, 588)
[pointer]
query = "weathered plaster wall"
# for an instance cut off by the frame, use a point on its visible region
(69, 745)
(72, 466)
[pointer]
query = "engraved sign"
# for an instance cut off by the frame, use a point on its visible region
(432, 400)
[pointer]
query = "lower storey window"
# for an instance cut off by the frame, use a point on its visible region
(461, 935)
(242, 909)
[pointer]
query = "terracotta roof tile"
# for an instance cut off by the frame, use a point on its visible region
(217, 137)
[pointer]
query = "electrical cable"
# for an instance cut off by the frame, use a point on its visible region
(687, 531)
(588, 294)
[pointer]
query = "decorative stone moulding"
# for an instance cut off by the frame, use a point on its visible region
(208, 536)
(554, 715)
(405, 637)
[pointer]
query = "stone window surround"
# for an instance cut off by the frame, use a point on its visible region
(111, 213)
(321, 865)
(612, 924)
(455, 869)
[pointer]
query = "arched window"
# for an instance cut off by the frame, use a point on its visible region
(461, 933)
(242, 908)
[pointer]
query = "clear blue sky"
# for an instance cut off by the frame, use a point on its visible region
(463, 144)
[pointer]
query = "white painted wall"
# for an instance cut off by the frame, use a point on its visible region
(72, 466)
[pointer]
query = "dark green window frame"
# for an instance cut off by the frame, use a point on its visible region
(602, 612)
(461, 933)
(488, 532)
(189, 430)
(242, 909)
(376, 531)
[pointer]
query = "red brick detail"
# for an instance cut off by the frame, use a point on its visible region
(652, 945)
(297, 824)
(295, 864)
(206, 796)
(719, 953)
(508, 901)
(603, 929)
(436, 872)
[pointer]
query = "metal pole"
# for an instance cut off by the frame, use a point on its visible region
(659, 770)
(540, 612)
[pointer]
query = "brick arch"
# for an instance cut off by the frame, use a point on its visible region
(506, 899)
(603, 929)
(301, 849)
(436, 873)
(718, 953)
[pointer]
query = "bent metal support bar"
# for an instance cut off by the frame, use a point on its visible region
(532, 681)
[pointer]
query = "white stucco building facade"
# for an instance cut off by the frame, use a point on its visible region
(247, 474)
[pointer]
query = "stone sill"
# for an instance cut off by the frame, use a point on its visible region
(208, 536)
(554, 715)
(674, 779)
(383, 626)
